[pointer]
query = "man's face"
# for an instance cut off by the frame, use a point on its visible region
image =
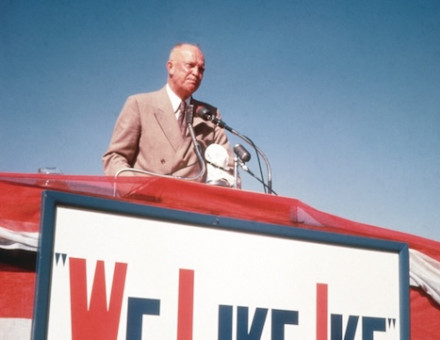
(185, 70)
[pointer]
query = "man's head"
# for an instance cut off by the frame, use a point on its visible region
(185, 67)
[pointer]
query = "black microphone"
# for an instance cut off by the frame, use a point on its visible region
(242, 153)
(205, 113)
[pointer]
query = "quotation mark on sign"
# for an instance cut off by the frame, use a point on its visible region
(61, 256)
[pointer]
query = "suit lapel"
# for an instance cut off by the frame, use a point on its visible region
(166, 119)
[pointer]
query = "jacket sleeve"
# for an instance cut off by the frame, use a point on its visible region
(123, 147)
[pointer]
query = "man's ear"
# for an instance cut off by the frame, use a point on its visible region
(170, 67)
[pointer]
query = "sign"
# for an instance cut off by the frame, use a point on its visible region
(114, 270)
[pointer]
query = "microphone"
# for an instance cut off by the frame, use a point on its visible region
(189, 114)
(243, 156)
(205, 113)
(242, 153)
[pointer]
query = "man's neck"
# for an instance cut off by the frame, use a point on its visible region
(175, 99)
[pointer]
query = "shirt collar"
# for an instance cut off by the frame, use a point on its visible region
(175, 100)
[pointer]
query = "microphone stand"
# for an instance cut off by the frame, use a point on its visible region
(235, 172)
(197, 148)
(223, 125)
(245, 168)
(189, 114)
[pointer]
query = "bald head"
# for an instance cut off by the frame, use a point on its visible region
(185, 67)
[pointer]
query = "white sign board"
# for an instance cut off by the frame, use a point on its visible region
(113, 270)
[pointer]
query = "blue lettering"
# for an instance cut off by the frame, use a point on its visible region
(224, 322)
(370, 325)
(281, 318)
(336, 327)
(138, 307)
(243, 323)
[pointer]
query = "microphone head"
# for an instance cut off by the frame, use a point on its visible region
(205, 113)
(189, 113)
(242, 153)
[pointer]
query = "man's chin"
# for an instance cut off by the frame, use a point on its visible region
(192, 89)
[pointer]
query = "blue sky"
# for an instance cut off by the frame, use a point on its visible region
(342, 96)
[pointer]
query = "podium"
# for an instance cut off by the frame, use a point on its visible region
(118, 270)
(233, 265)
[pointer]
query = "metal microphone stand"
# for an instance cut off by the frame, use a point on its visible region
(207, 115)
(235, 171)
(246, 169)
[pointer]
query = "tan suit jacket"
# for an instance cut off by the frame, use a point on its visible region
(147, 136)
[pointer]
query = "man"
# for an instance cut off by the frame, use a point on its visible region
(147, 134)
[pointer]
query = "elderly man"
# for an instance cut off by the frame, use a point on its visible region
(148, 135)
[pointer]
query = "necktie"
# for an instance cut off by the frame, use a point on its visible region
(181, 120)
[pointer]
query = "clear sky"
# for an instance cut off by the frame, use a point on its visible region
(343, 97)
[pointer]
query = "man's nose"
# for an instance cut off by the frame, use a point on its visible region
(197, 71)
